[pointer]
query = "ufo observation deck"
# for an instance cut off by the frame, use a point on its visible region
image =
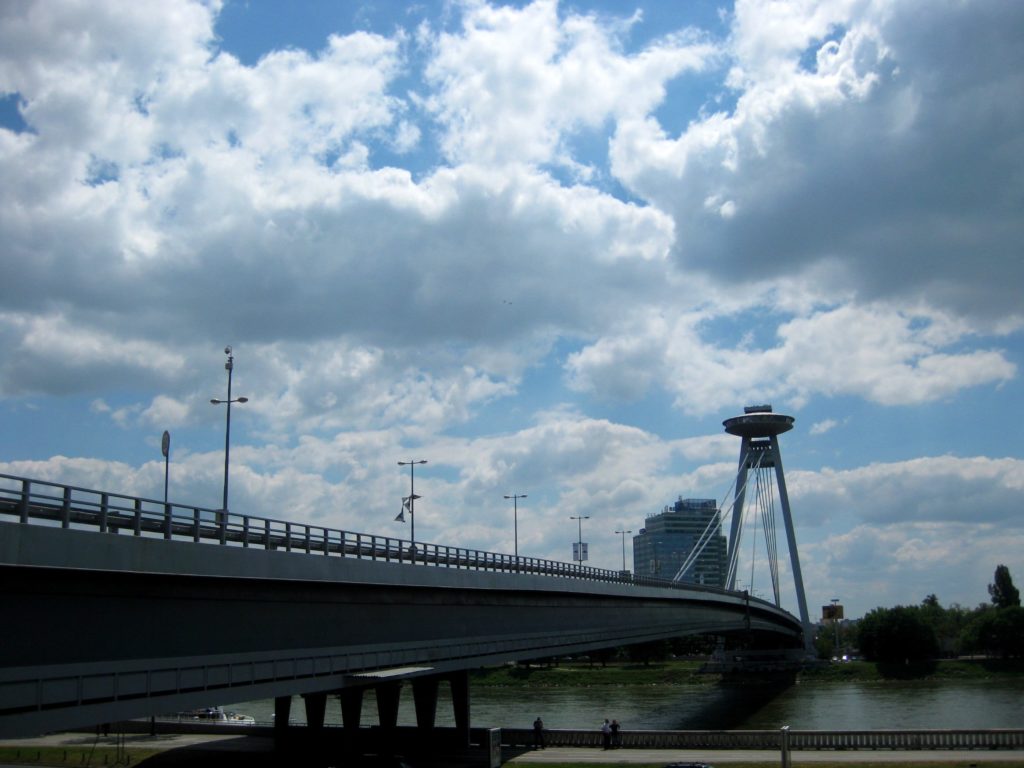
(758, 421)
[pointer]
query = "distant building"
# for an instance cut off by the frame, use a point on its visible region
(667, 538)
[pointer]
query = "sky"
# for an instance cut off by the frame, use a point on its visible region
(547, 247)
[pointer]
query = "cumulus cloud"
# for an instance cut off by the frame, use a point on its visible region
(859, 141)
(878, 353)
(408, 235)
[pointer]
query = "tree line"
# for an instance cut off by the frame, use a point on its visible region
(927, 631)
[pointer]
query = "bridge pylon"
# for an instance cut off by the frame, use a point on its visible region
(759, 429)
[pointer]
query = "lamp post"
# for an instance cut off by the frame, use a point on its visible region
(165, 449)
(624, 549)
(229, 366)
(410, 503)
(835, 620)
(579, 551)
(515, 517)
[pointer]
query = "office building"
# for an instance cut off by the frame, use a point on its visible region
(667, 539)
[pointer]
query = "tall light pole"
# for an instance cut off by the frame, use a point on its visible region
(229, 366)
(515, 516)
(579, 551)
(624, 549)
(410, 503)
(835, 620)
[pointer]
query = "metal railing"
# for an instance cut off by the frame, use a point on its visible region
(42, 502)
(919, 739)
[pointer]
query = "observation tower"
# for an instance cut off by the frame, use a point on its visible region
(759, 428)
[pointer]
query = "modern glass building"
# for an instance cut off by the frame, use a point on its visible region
(667, 538)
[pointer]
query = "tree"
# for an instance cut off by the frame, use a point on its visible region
(996, 631)
(1004, 594)
(897, 634)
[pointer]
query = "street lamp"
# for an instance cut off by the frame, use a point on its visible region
(579, 551)
(410, 503)
(515, 516)
(624, 549)
(835, 620)
(229, 366)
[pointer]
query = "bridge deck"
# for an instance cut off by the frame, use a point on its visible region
(112, 626)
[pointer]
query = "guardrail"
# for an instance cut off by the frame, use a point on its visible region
(41, 502)
(930, 739)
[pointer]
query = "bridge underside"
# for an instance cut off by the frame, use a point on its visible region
(104, 627)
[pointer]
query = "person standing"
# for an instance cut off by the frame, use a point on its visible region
(616, 739)
(606, 734)
(538, 733)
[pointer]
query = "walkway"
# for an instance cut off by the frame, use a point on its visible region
(202, 749)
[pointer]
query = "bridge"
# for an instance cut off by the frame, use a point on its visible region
(119, 607)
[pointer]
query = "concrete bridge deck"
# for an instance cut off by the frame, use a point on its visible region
(127, 607)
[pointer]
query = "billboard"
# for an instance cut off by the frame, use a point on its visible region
(831, 612)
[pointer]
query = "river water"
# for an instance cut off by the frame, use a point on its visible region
(813, 706)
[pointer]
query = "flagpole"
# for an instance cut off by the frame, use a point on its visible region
(412, 494)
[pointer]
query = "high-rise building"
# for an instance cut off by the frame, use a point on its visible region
(667, 539)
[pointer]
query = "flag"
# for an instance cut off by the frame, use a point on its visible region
(406, 505)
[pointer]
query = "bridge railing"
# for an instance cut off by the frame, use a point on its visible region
(918, 739)
(42, 502)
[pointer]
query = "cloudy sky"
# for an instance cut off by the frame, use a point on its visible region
(546, 246)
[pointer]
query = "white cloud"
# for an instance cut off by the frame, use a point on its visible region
(856, 140)
(874, 352)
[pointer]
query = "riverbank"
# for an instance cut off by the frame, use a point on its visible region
(689, 672)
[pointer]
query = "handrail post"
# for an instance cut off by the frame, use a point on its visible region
(104, 506)
(65, 509)
(222, 518)
(245, 531)
(287, 537)
(266, 534)
(137, 519)
(195, 524)
(167, 521)
(786, 763)
(26, 491)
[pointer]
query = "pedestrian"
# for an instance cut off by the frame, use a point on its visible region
(616, 739)
(606, 734)
(538, 733)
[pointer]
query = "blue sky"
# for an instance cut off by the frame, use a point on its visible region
(548, 247)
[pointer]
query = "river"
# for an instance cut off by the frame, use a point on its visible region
(997, 703)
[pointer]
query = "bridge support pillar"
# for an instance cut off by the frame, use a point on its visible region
(459, 682)
(351, 707)
(315, 748)
(424, 695)
(387, 704)
(316, 708)
(351, 715)
(282, 714)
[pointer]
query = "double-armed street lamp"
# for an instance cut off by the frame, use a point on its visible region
(410, 503)
(229, 366)
(579, 551)
(624, 549)
(515, 517)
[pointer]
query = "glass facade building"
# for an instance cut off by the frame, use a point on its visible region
(667, 538)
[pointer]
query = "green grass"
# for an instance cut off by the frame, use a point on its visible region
(575, 675)
(582, 675)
